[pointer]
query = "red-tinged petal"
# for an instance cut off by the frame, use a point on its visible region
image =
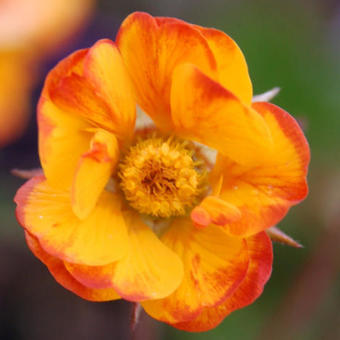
(259, 270)
(214, 210)
(47, 214)
(104, 68)
(62, 137)
(214, 266)
(63, 277)
(211, 115)
(264, 192)
(150, 270)
(232, 68)
(77, 96)
(151, 50)
(95, 167)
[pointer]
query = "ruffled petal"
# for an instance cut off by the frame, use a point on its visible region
(62, 137)
(264, 192)
(232, 69)
(89, 89)
(104, 68)
(150, 270)
(151, 50)
(47, 214)
(206, 112)
(94, 169)
(259, 270)
(214, 266)
(63, 277)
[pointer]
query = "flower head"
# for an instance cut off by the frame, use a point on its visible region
(145, 213)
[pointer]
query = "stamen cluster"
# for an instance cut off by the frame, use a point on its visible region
(162, 176)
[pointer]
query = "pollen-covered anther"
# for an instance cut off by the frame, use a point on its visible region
(162, 177)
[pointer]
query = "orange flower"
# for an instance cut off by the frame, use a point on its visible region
(146, 214)
(29, 31)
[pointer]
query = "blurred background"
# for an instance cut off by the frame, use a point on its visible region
(293, 44)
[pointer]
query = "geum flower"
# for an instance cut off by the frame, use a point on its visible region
(144, 214)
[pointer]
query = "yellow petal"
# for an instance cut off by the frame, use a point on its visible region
(62, 137)
(259, 270)
(94, 170)
(211, 115)
(265, 191)
(214, 266)
(47, 214)
(104, 67)
(151, 49)
(150, 270)
(232, 68)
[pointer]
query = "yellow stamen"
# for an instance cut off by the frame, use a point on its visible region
(162, 177)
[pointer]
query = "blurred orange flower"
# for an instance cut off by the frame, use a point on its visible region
(146, 213)
(29, 31)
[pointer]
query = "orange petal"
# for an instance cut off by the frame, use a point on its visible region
(211, 115)
(76, 95)
(47, 214)
(63, 277)
(94, 170)
(214, 266)
(259, 270)
(150, 270)
(104, 68)
(62, 137)
(214, 210)
(232, 68)
(264, 192)
(151, 50)
(88, 89)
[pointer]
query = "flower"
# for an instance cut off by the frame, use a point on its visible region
(29, 32)
(146, 214)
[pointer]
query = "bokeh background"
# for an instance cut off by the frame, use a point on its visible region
(293, 44)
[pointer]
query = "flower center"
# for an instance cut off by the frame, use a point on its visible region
(163, 176)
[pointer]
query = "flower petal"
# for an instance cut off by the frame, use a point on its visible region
(211, 115)
(94, 170)
(232, 68)
(264, 192)
(76, 95)
(150, 270)
(63, 277)
(151, 50)
(104, 68)
(46, 213)
(214, 266)
(62, 137)
(259, 270)
(214, 210)
(89, 89)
